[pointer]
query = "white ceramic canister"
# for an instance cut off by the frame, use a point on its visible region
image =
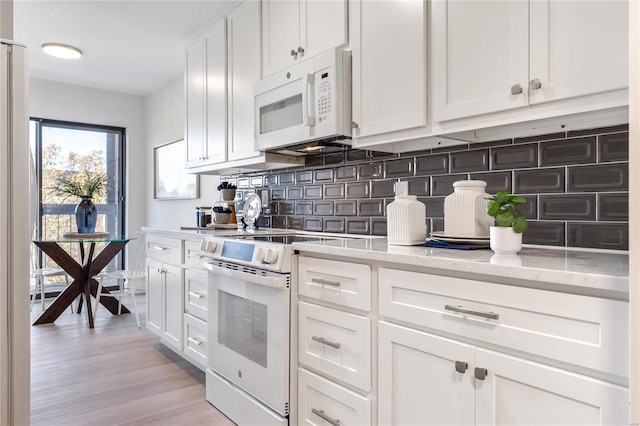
(465, 210)
(406, 221)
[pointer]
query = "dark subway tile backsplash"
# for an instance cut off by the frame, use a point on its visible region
(576, 186)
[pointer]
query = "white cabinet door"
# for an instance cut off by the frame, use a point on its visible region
(519, 392)
(155, 303)
(295, 30)
(280, 34)
(323, 26)
(173, 306)
(389, 65)
(578, 48)
(480, 51)
(196, 103)
(244, 70)
(216, 48)
(418, 383)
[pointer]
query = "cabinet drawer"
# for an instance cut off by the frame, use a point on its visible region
(342, 283)
(165, 249)
(581, 330)
(195, 343)
(321, 402)
(335, 343)
(195, 294)
(193, 254)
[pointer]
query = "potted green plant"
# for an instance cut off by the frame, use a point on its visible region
(84, 185)
(506, 236)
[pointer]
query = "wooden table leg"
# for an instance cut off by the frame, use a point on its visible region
(61, 303)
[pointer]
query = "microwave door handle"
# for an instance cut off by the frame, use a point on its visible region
(307, 82)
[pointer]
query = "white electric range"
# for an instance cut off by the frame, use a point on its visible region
(252, 276)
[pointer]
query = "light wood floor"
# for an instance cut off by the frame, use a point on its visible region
(115, 374)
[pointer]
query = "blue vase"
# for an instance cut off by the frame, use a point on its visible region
(86, 216)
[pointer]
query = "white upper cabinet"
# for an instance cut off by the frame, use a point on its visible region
(389, 66)
(490, 56)
(243, 72)
(295, 30)
(206, 97)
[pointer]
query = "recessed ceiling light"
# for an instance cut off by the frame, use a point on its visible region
(61, 51)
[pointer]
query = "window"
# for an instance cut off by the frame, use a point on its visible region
(59, 146)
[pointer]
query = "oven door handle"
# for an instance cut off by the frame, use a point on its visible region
(243, 276)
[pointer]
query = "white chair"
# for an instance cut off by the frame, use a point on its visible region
(135, 272)
(39, 275)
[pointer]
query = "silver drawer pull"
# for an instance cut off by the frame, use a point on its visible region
(194, 341)
(463, 310)
(195, 256)
(321, 414)
(159, 248)
(325, 282)
(196, 295)
(325, 342)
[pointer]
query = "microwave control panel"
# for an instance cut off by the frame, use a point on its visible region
(324, 98)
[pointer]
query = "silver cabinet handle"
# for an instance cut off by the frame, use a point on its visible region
(325, 282)
(535, 84)
(321, 414)
(159, 248)
(480, 373)
(195, 256)
(196, 295)
(324, 341)
(461, 366)
(294, 54)
(463, 310)
(354, 125)
(301, 51)
(516, 89)
(194, 341)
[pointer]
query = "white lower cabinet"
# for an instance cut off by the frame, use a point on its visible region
(164, 301)
(417, 378)
(431, 380)
(322, 402)
(177, 296)
(473, 352)
(521, 392)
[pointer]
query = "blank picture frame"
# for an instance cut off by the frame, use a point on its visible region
(171, 180)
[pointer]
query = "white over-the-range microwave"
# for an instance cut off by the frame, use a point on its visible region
(310, 101)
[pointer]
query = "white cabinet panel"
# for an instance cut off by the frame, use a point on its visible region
(244, 70)
(520, 392)
(195, 92)
(173, 306)
(216, 93)
(196, 294)
(480, 51)
(321, 402)
(155, 301)
(342, 283)
(578, 48)
(195, 340)
(389, 66)
(581, 330)
(418, 381)
(335, 343)
(293, 31)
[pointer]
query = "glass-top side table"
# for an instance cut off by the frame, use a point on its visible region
(82, 272)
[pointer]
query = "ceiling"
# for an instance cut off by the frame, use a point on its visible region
(129, 46)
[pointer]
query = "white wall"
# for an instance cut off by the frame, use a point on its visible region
(164, 122)
(60, 101)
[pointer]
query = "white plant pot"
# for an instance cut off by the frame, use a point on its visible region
(503, 240)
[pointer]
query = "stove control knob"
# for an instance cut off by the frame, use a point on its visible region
(260, 254)
(271, 256)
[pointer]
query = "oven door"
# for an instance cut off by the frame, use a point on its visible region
(249, 333)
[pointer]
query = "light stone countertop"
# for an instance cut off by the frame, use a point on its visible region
(602, 273)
